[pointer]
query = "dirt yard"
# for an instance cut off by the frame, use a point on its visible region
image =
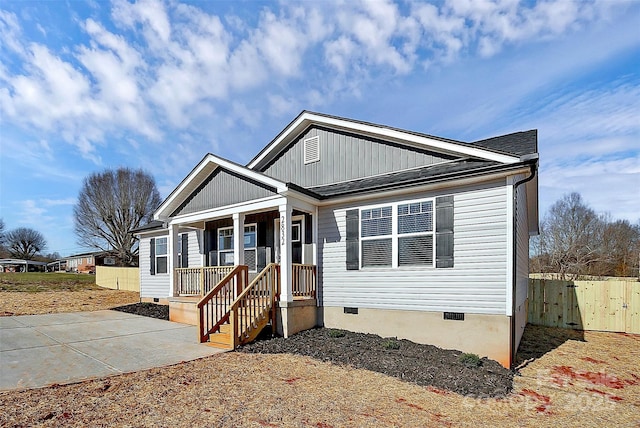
(47, 293)
(567, 378)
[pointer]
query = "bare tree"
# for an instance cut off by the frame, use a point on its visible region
(571, 237)
(621, 241)
(25, 243)
(110, 205)
(574, 241)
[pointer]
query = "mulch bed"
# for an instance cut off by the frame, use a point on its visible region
(424, 365)
(151, 310)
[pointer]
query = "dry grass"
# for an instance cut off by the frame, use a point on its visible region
(602, 388)
(47, 293)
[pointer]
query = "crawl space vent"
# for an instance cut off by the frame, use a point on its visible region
(311, 150)
(456, 316)
(353, 311)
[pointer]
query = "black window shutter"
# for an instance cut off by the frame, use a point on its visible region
(353, 240)
(152, 256)
(444, 232)
(184, 250)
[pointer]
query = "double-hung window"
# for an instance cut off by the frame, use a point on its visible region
(415, 234)
(250, 239)
(225, 246)
(376, 233)
(159, 258)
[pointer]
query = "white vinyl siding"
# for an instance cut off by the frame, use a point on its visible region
(151, 285)
(522, 246)
(476, 283)
(158, 285)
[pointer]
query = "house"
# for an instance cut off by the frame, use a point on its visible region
(86, 262)
(357, 226)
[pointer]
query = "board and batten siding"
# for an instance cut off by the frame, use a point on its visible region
(345, 156)
(476, 283)
(158, 285)
(223, 188)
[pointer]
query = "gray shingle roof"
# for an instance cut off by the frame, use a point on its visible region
(428, 174)
(518, 143)
(152, 225)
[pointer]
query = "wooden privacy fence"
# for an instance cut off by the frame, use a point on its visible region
(118, 278)
(585, 305)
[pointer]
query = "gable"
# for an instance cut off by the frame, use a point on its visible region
(343, 156)
(223, 187)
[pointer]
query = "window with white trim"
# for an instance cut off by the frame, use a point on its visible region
(398, 235)
(376, 234)
(250, 246)
(161, 255)
(415, 234)
(225, 246)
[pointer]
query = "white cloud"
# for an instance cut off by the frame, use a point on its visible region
(58, 202)
(32, 213)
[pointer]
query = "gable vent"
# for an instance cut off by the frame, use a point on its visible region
(312, 150)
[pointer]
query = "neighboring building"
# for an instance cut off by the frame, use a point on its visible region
(371, 229)
(20, 265)
(87, 262)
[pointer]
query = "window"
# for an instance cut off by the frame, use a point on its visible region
(225, 246)
(401, 234)
(376, 233)
(250, 239)
(415, 230)
(295, 232)
(158, 255)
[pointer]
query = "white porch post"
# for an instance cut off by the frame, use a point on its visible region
(238, 239)
(286, 294)
(172, 257)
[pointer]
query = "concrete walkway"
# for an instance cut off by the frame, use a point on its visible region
(40, 350)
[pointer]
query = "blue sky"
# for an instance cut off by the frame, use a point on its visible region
(156, 85)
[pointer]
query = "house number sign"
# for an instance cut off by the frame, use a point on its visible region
(282, 229)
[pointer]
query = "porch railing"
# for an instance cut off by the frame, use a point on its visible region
(198, 281)
(303, 280)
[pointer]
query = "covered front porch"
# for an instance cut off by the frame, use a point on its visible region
(258, 266)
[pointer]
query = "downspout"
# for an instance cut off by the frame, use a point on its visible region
(533, 159)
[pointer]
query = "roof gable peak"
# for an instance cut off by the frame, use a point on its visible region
(424, 141)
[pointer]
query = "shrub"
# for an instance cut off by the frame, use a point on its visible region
(336, 333)
(470, 360)
(391, 344)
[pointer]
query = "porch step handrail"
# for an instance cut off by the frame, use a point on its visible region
(213, 308)
(255, 306)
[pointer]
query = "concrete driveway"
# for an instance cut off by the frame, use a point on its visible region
(40, 350)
